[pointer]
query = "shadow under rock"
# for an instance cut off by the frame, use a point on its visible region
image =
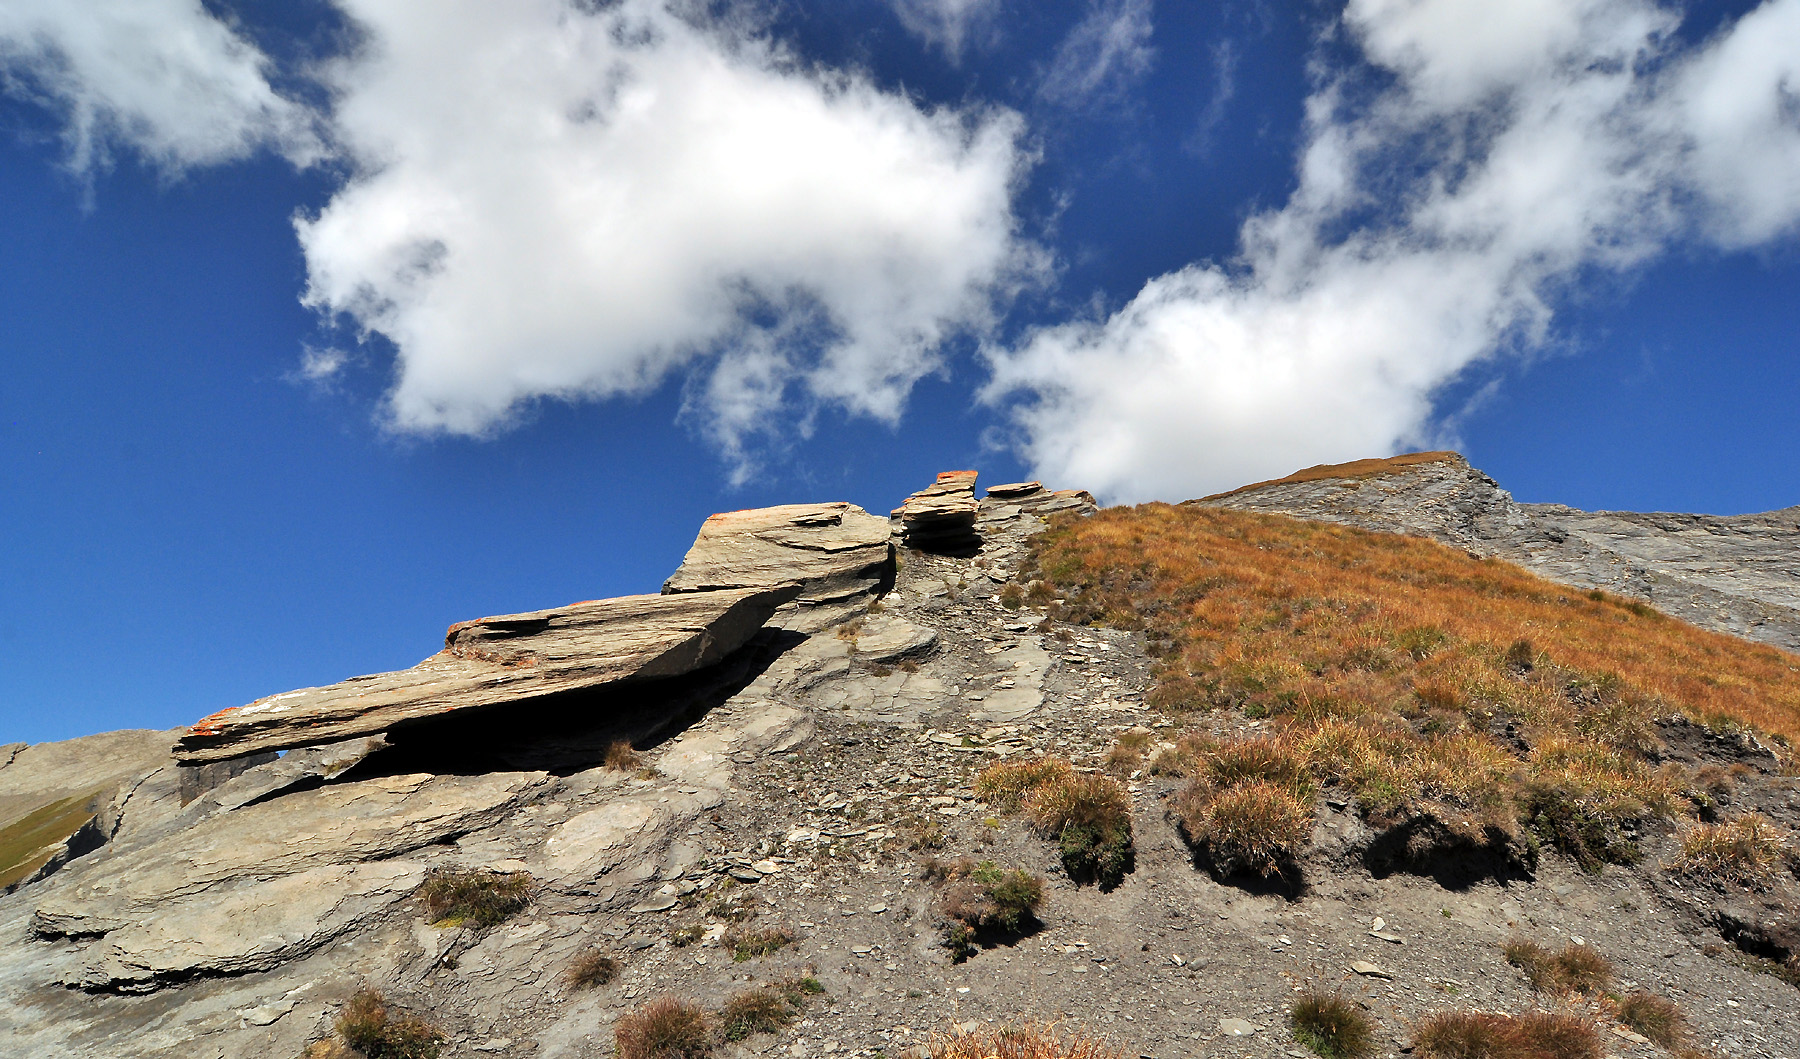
(572, 731)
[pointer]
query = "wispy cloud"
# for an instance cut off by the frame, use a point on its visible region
(948, 24)
(1224, 90)
(161, 78)
(1103, 57)
(1454, 181)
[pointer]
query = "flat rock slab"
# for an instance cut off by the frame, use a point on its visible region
(498, 660)
(887, 638)
(834, 551)
(943, 513)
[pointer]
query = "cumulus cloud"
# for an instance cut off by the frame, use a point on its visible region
(948, 24)
(1475, 161)
(1103, 57)
(163, 78)
(556, 200)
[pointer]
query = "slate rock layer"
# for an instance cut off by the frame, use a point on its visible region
(837, 553)
(941, 517)
(497, 660)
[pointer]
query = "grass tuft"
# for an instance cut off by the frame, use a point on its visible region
(622, 756)
(591, 970)
(748, 943)
(1655, 1018)
(368, 1025)
(1481, 1035)
(663, 1029)
(763, 1009)
(1331, 1026)
(481, 899)
(1575, 969)
(1744, 852)
(981, 900)
(1020, 1042)
(1005, 784)
(1090, 817)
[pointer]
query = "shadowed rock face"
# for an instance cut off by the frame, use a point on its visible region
(1737, 574)
(499, 660)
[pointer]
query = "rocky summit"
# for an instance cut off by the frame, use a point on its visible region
(861, 787)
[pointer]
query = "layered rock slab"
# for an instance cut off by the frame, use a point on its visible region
(497, 660)
(941, 517)
(837, 553)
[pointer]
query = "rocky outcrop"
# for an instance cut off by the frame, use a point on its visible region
(53, 794)
(839, 555)
(493, 661)
(1738, 574)
(802, 785)
(941, 517)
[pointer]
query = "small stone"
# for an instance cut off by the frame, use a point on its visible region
(766, 867)
(655, 904)
(1237, 1027)
(1378, 924)
(1385, 936)
(1369, 970)
(745, 874)
(877, 909)
(494, 1044)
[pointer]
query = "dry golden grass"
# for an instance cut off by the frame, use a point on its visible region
(1401, 669)
(622, 756)
(591, 970)
(1576, 969)
(747, 943)
(1090, 818)
(1004, 785)
(1744, 852)
(1654, 1017)
(663, 1029)
(1353, 469)
(1021, 1042)
(1482, 1035)
(1331, 1026)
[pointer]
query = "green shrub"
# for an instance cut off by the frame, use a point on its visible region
(1332, 1026)
(982, 899)
(481, 899)
(367, 1025)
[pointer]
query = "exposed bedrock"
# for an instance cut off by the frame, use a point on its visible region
(498, 660)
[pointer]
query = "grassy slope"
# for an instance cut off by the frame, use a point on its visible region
(28, 843)
(1411, 672)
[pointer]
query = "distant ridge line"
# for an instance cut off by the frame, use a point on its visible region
(1353, 469)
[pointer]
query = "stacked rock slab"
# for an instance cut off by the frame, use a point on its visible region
(941, 517)
(498, 660)
(839, 555)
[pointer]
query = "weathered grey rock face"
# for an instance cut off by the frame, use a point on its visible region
(51, 792)
(837, 553)
(941, 517)
(500, 660)
(1738, 574)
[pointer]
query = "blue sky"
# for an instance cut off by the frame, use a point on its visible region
(329, 324)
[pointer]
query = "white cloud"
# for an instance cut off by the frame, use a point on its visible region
(558, 201)
(161, 77)
(1103, 57)
(1435, 222)
(948, 24)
